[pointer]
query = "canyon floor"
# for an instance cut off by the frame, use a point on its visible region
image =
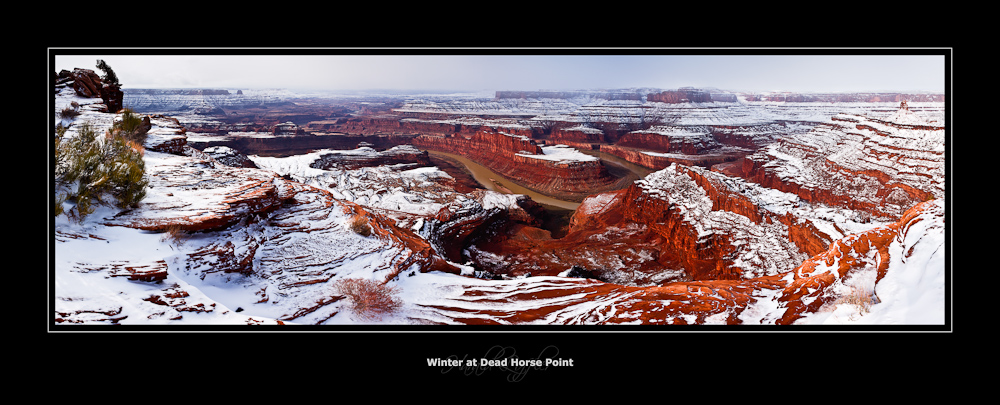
(734, 214)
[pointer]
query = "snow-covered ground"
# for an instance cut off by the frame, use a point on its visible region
(391, 187)
(561, 154)
(88, 291)
(912, 292)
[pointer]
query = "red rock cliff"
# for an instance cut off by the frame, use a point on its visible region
(518, 158)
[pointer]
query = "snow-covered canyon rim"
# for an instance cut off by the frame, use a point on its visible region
(281, 263)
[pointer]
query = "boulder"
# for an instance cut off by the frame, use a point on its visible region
(86, 82)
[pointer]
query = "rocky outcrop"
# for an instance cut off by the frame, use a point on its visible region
(88, 84)
(290, 237)
(296, 251)
(671, 139)
(196, 193)
(683, 95)
(478, 216)
(230, 157)
(709, 231)
(85, 82)
(600, 244)
(368, 157)
(165, 134)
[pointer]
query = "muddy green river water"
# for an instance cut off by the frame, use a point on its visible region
(489, 178)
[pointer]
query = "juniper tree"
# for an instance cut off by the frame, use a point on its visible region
(109, 75)
(89, 169)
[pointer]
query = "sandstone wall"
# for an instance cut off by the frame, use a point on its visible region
(657, 162)
(576, 135)
(502, 153)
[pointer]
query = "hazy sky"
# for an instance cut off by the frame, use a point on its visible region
(475, 70)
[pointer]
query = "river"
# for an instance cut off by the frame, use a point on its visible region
(489, 179)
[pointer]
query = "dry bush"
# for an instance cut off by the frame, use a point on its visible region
(862, 298)
(860, 293)
(69, 112)
(359, 224)
(369, 299)
(174, 234)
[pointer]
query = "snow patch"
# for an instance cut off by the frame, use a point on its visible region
(561, 154)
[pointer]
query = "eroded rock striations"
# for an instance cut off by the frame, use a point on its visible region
(882, 166)
(825, 288)
(478, 216)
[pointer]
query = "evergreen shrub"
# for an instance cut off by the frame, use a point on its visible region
(90, 169)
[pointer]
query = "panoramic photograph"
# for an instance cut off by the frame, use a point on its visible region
(652, 190)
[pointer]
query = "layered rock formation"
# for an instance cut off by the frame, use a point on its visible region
(399, 124)
(562, 175)
(843, 97)
(268, 145)
(881, 166)
(230, 157)
(701, 145)
(683, 95)
(368, 157)
(88, 84)
(577, 135)
(478, 216)
(680, 223)
(196, 193)
(661, 160)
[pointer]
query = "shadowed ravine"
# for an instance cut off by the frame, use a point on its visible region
(488, 179)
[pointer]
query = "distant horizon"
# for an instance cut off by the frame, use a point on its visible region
(445, 91)
(853, 73)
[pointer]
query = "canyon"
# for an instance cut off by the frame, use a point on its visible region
(653, 207)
